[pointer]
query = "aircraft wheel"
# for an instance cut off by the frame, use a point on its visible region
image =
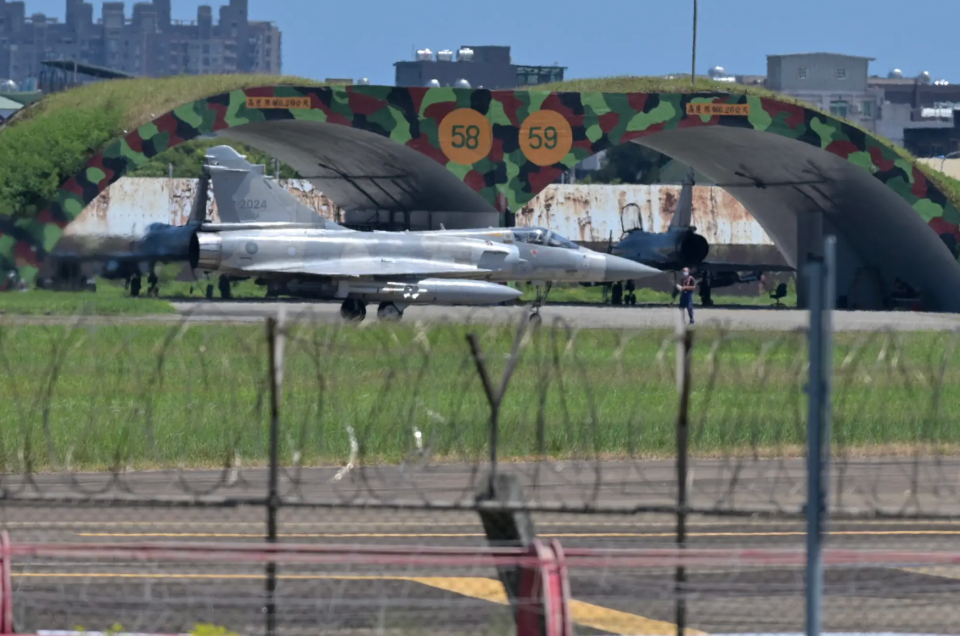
(389, 312)
(353, 310)
(535, 320)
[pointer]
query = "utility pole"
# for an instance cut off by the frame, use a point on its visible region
(693, 67)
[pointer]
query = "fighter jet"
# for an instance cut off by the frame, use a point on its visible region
(266, 234)
(130, 257)
(680, 246)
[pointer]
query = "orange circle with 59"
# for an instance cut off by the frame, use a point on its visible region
(546, 137)
(466, 136)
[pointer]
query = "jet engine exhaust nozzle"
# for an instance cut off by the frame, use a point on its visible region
(206, 250)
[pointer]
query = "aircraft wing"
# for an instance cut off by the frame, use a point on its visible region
(713, 266)
(370, 268)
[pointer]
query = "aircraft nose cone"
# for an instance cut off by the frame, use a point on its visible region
(616, 268)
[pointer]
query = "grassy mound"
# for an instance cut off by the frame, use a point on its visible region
(52, 141)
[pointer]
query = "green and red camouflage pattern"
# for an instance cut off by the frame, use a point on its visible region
(505, 176)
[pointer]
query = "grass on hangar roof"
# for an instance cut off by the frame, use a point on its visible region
(52, 139)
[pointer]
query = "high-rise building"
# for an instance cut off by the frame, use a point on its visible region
(150, 42)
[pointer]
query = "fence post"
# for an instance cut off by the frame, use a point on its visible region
(684, 349)
(821, 273)
(275, 346)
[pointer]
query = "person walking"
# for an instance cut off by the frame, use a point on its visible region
(686, 287)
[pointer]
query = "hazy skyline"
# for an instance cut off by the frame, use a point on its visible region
(639, 37)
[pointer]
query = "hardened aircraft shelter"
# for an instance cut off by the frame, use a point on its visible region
(469, 158)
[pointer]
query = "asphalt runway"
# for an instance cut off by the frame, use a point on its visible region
(351, 597)
(578, 316)
(585, 316)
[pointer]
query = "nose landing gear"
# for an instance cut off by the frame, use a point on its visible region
(542, 293)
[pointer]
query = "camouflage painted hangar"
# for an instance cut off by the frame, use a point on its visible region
(466, 157)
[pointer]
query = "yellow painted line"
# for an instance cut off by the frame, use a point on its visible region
(556, 535)
(588, 614)
(616, 622)
(943, 571)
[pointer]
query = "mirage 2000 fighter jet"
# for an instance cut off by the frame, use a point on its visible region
(265, 233)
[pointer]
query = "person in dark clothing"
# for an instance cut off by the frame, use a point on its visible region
(686, 288)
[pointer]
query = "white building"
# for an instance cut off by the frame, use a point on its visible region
(831, 81)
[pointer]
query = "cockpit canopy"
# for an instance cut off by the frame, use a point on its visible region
(542, 236)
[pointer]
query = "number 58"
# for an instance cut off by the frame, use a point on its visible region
(470, 140)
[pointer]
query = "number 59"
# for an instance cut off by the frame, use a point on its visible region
(548, 140)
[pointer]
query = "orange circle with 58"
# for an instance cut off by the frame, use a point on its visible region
(466, 136)
(546, 137)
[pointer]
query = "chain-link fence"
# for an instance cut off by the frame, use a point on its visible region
(404, 471)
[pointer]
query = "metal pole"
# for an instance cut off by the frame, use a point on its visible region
(683, 435)
(821, 274)
(693, 67)
(275, 344)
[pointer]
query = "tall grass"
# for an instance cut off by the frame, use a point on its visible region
(149, 396)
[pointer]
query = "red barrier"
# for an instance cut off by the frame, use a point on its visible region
(6, 586)
(543, 608)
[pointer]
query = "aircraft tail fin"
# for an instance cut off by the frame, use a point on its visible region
(198, 213)
(684, 214)
(244, 194)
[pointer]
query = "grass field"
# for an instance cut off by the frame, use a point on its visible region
(107, 300)
(246, 289)
(150, 396)
(113, 300)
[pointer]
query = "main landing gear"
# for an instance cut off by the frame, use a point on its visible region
(354, 310)
(389, 312)
(542, 293)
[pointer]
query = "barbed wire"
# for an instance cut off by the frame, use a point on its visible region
(397, 416)
(123, 433)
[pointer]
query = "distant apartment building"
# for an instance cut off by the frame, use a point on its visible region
(489, 67)
(149, 42)
(833, 82)
(919, 113)
(914, 112)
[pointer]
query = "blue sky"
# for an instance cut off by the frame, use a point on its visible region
(362, 38)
